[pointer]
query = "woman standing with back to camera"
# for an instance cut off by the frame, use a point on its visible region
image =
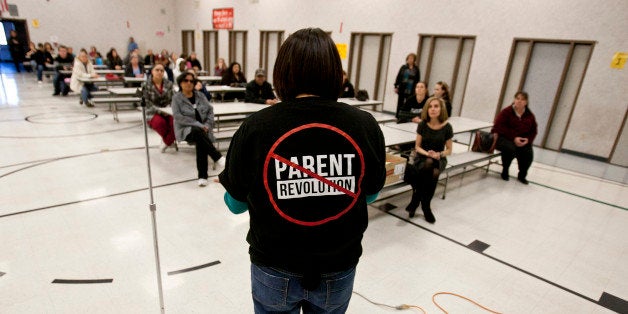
(305, 242)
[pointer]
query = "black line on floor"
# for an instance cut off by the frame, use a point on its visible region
(90, 115)
(82, 281)
(71, 135)
(45, 161)
(613, 303)
(573, 194)
(387, 206)
(95, 198)
(185, 270)
(580, 196)
(498, 260)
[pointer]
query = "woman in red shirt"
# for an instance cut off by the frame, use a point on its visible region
(516, 128)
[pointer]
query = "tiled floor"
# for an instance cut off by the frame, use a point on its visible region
(74, 205)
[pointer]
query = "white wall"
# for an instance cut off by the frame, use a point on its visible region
(100, 23)
(495, 23)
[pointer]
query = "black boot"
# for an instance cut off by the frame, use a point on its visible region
(427, 210)
(414, 204)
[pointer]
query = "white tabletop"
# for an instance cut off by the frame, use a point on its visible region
(357, 103)
(107, 71)
(394, 136)
(123, 90)
(381, 117)
(459, 124)
(235, 108)
(99, 79)
(134, 79)
(224, 89)
(205, 78)
(226, 109)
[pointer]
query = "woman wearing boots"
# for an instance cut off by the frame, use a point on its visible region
(433, 143)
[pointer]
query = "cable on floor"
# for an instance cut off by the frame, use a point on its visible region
(409, 306)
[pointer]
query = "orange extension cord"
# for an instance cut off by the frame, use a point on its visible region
(408, 306)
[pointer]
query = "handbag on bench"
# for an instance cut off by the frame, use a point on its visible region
(484, 142)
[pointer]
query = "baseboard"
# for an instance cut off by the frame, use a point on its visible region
(588, 156)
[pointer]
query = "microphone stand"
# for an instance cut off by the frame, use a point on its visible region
(153, 209)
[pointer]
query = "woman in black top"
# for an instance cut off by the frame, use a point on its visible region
(433, 143)
(305, 169)
(234, 78)
(408, 75)
(411, 109)
(114, 62)
(347, 87)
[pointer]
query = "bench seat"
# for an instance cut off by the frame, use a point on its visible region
(113, 103)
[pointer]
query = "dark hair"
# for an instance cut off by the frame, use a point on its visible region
(445, 89)
(308, 63)
(182, 77)
(522, 93)
(228, 74)
(443, 110)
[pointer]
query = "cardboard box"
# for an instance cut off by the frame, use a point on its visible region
(395, 168)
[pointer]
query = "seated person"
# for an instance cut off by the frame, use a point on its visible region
(194, 62)
(83, 68)
(42, 59)
(114, 62)
(221, 68)
(433, 144)
(259, 91)
(347, 87)
(149, 59)
(64, 62)
(234, 78)
(516, 129)
(194, 122)
(441, 89)
(134, 69)
(199, 86)
(157, 92)
(411, 109)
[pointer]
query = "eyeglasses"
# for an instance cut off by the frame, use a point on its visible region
(188, 81)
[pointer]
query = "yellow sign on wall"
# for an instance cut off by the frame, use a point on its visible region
(619, 59)
(36, 23)
(342, 50)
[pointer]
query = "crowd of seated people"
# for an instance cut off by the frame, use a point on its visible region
(41, 58)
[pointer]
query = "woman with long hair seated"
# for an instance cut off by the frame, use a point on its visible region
(157, 92)
(433, 144)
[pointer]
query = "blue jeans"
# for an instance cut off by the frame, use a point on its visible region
(278, 291)
(40, 70)
(86, 91)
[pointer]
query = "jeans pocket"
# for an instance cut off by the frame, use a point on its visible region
(269, 290)
(339, 289)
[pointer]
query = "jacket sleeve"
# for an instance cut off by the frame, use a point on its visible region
(235, 178)
(399, 77)
(501, 125)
